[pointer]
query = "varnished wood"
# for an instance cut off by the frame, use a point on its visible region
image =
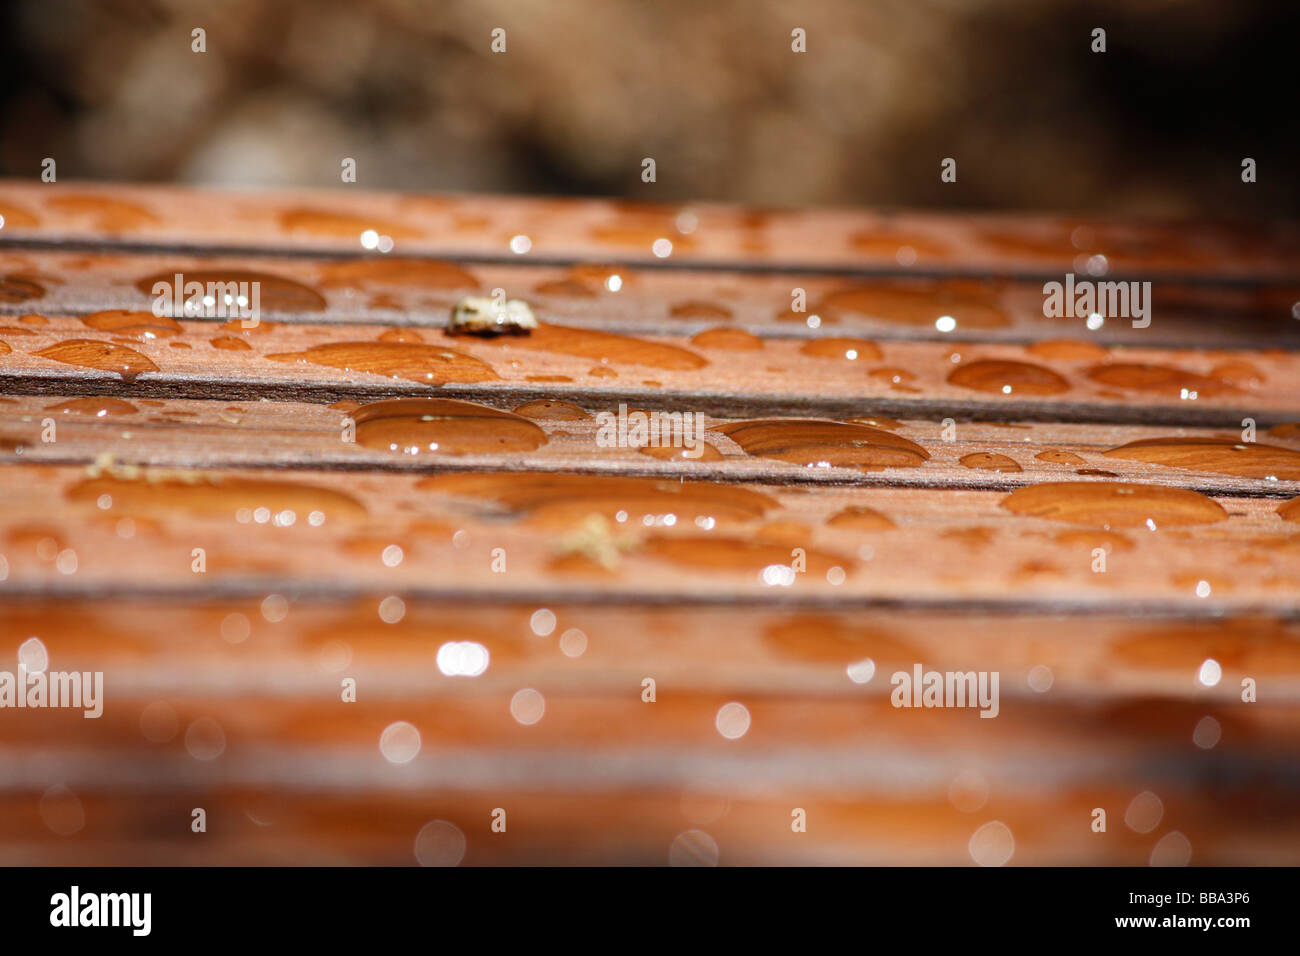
(1103, 692)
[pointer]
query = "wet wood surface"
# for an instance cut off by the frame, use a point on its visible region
(231, 523)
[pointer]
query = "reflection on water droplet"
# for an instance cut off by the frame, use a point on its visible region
(399, 742)
(1207, 733)
(693, 848)
(573, 642)
(463, 659)
(418, 426)
(275, 608)
(235, 628)
(204, 739)
(1144, 812)
(1173, 849)
(992, 844)
(860, 672)
(527, 706)
(1040, 679)
(392, 609)
(701, 452)
(1210, 673)
(32, 656)
(102, 356)
(142, 326)
(542, 622)
(733, 720)
(440, 843)
(850, 350)
(971, 305)
(1008, 378)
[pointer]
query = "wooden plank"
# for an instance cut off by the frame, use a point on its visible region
(622, 538)
(211, 359)
(701, 235)
(195, 434)
(637, 300)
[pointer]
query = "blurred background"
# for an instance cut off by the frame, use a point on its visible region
(1157, 125)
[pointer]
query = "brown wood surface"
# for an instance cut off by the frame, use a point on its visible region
(768, 574)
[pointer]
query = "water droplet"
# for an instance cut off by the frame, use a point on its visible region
(1021, 378)
(1207, 733)
(205, 739)
(602, 347)
(552, 410)
(440, 843)
(542, 622)
(573, 642)
(1167, 380)
(988, 461)
(463, 659)
(61, 811)
(1173, 849)
(425, 364)
(96, 406)
(275, 293)
(417, 426)
(159, 722)
(992, 844)
(1106, 504)
(824, 444)
(103, 356)
(850, 350)
(400, 742)
(731, 340)
(1058, 457)
(392, 609)
(1040, 679)
(733, 720)
(969, 791)
(527, 706)
(693, 848)
(1222, 456)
